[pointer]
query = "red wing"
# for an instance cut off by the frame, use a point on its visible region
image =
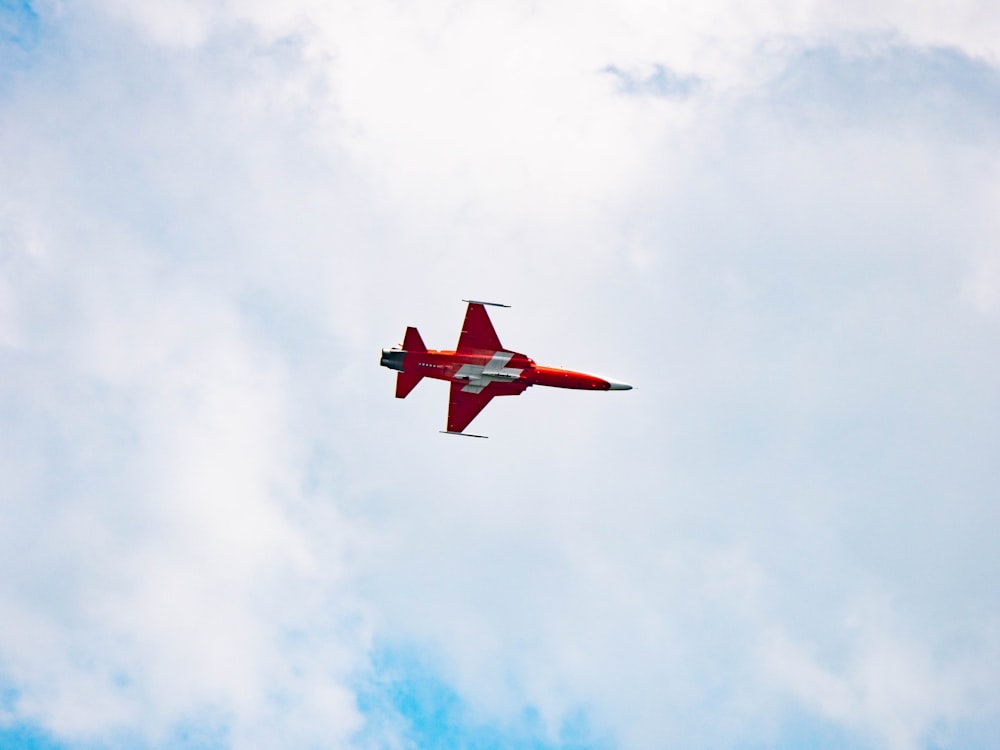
(464, 406)
(478, 333)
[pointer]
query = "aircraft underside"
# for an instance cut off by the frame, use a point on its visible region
(479, 369)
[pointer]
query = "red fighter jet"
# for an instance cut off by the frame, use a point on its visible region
(479, 369)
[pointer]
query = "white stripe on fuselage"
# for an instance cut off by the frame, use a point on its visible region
(480, 376)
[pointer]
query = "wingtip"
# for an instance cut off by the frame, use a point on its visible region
(480, 302)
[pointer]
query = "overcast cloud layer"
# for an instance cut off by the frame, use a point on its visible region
(780, 221)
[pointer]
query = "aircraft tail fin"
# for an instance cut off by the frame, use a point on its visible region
(412, 341)
(405, 382)
(412, 344)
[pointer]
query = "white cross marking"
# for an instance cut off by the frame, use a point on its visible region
(480, 376)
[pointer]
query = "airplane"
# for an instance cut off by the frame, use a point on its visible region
(479, 369)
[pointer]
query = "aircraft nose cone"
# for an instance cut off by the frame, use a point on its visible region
(614, 385)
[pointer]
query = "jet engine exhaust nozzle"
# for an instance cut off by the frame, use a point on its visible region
(393, 359)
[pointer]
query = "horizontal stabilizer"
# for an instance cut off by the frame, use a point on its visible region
(405, 382)
(412, 341)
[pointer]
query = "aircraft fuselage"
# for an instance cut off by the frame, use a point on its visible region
(479, 369)
(492, 367)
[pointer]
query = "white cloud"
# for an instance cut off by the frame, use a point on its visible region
(888, 683)
(214, 508)
(162, 575)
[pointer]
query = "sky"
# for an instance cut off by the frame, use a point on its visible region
(780, 221)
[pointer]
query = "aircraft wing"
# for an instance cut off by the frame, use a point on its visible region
(466, 403)
(478, 333)
(463, 407)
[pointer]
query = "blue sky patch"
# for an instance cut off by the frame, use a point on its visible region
(26, 737)
(662, 82)
(18, 24)
(802, 729)
(878, 79)
(19, 30)
(406, 698)
(186, 736)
